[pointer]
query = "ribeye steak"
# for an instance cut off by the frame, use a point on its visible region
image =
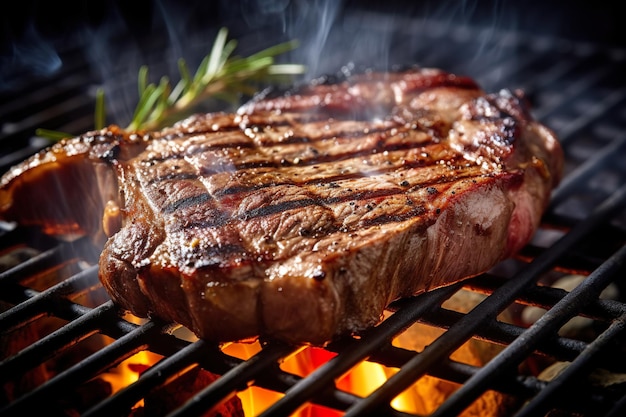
(301, 216)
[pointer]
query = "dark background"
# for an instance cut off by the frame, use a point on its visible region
(31, 22)
(116, 36)
(598, 21)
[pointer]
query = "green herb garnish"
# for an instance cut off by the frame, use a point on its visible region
(100, 113)
(219, 75)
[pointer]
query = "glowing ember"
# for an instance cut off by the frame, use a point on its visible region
(129, 370)
(254, 399)
(422, 398)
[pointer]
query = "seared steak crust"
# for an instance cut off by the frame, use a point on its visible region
(302, 216)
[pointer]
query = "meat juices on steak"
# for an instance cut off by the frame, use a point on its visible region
(301, 217)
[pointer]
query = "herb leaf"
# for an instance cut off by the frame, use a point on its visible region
(219, 75)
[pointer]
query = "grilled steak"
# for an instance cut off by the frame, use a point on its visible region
(300, 217)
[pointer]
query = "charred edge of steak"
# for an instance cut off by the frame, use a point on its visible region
(60, 188)
(361, 97)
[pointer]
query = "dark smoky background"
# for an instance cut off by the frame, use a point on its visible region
(114, 38)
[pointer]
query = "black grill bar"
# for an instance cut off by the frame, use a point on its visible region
(487, 310)
(613, 100)
(619, 409)
(95, 364)
(575, 89)
(153, 377)
(548, 324)
(594, 164)
(540, 404)
(504, 334)
(81, 326)
(544, 297)
(449, 370)
(44, 260)
(42, 303)
(377, 338)
(47, 347)
(236, 378)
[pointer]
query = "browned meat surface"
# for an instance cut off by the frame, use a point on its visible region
(302, 216)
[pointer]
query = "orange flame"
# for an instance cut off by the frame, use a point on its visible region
(422, 398)
(129, 370)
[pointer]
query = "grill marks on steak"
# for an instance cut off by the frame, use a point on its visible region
(302, 216)
(368, 183)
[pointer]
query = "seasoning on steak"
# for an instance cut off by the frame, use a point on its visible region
(301, 216)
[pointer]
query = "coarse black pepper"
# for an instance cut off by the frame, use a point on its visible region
(319, 275)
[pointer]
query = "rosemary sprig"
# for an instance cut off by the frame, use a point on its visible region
(219, 75)
(100, 113)
(52, 135)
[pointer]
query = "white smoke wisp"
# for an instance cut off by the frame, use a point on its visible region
(31, 53)
(312, 27)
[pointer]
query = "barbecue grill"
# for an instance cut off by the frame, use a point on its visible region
(60, 332)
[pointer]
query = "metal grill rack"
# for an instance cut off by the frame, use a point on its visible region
(575, 88)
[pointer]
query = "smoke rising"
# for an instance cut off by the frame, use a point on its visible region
(118, 37)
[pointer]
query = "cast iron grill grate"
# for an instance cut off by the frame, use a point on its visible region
(575, 88)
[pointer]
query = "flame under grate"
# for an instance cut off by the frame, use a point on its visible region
(576, 88)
